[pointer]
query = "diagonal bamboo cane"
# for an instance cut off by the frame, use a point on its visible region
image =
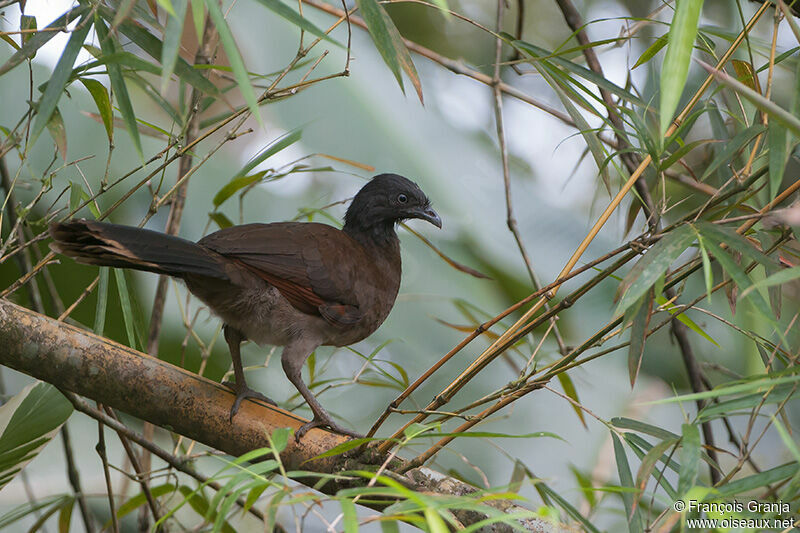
(488, 355)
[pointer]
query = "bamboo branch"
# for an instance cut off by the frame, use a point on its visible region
(78, 361)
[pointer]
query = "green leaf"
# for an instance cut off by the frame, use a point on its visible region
(240, 180)
(198, 17)
(102, 302)
(642, 427)
(140, 499)
(28, 422)
(675, 68)
(775, 112)
(118, 85)
(708, 272)
(234, 57)
(638, 336)
(778, 142)
(434, 520)
(728, 236)
(75, 193)
(58, 131)
(760, 383)
(684, 318)
(634, 518)
(389, 43)
(746, 402)
(350, 518)
(569, 389)
(651, 50)
(731, 147)
(589, 135)
(234, 186)
(286, 12)
(280, 438)
(741, 279)
(154, 48)
(65, 516)
(221, 220)
(541, 54)
(58, 80)
(103, 104)
(779, 278)
(127, 308)
(40, 38)
(346, 446)
(654, 263)
(27, 22)
(689, 457)
(21, 511)
(759, 481)
(649, 461)
(172, 42)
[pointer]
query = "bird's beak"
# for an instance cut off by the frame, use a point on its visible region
(427, 213)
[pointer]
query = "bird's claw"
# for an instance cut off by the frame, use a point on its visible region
(328, 423)
(241, 394)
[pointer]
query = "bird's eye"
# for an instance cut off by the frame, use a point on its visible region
(402, 198)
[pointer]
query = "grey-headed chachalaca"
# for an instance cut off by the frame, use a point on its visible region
(294, 284)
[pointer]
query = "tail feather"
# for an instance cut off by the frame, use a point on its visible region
(101, 243)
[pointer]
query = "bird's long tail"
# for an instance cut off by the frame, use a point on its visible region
(101, 243)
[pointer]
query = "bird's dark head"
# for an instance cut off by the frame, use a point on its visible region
(386, 200)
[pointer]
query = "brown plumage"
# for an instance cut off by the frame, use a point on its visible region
(292, 284)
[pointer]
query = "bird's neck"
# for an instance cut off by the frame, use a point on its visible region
(379, 236)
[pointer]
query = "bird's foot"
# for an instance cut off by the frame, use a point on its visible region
(243, 392)
(325, 422)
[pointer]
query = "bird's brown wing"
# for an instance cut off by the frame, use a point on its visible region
(312, 265)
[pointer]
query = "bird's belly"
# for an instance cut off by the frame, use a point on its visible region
(260, 313)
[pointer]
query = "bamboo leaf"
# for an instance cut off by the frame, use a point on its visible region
(28, 422)
(775, 112)
(58, 131)
(103, 104)
(286, 12)
(235, 58)
(127, 308)
(589, 135)
(779, 278)
(649, 461)
(741, 279)
(350, 518)
(541, 54)
(759, 481)
(731, 147)
(40, 38)
(633, 517)
(241, 179)
(722, 235)
(654, 263)
(569, 389)
(638, 336)
(389, 43)
(118, 85)
(675, 68)
(689, 457)
(154, 48)
(172, 42)
(58, 80)
(102, 302)
(642, 427)
(651, 50)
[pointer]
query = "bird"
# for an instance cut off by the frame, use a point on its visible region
(299, 285)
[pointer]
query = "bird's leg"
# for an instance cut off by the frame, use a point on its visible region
(292, 359)
(234, 339)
